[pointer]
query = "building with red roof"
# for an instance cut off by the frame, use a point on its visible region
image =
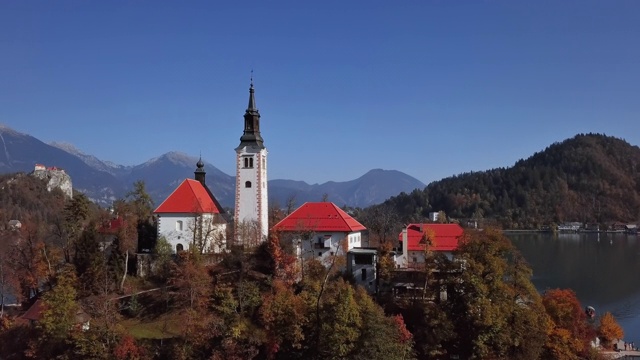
(443, 238)
(191, 215)
(321, 229)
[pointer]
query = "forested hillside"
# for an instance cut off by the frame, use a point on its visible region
(24, 197)
(589, 178)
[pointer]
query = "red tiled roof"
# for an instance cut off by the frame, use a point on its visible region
(189, 197)
(112, 226)
(319, 216)
(34, 312)
(446, 236)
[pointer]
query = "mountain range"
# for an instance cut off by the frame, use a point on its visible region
(103, 181)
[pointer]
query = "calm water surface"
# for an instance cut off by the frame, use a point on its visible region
(603, 270)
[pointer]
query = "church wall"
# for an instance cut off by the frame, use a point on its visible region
(169, 228)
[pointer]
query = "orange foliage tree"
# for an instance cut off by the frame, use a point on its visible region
(609, 330)
(283, 264)
(570, 333)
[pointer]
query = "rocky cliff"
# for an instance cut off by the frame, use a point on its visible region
(56, 178)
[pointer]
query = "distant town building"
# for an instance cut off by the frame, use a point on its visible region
(108, 233)
(15, 225)
(570, 227)
(433, 216)
(444, 238)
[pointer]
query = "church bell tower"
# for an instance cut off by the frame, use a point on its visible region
(251, 208)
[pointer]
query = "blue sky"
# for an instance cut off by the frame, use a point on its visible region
(430, 88)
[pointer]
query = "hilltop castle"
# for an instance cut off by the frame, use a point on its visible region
(56, 178)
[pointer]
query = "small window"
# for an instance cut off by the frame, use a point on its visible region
(331, 253)
(179, 248)
(247, 184)
(363, 259)
(319, 253)
(248, 162)
(179, 225)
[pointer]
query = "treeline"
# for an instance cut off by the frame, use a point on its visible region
(589, 178)
(23, 196)
(262, 303)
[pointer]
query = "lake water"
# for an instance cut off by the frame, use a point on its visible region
(603, 270)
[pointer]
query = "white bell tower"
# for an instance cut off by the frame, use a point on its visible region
(251, 223)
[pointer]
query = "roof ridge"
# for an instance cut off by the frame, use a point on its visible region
(340, 212)
(170, 195)
(198, 208)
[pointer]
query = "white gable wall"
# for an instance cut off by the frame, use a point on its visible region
(323, 244)
(169, 227)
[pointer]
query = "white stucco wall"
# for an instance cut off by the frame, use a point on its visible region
(167, 227)
(363, 274)
(252, 203)
(323, 244)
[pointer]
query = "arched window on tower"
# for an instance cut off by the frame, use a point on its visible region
(247, 184)
(248, 162)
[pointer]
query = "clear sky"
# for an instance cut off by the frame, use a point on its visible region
(430, 88)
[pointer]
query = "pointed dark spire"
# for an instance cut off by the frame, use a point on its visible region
(252, 100)
(251, 135)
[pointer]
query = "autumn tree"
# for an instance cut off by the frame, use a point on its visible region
(8, 281)
(247, 234)
(191, 281)
(284, 316)
(283, 264)
(135, 210)
(60, 307)
(383, 225)
(127, 349)
(570, 334)
(496, 311)
(76, 217)
(609, 330)
(162, 254)
(31, 260)
(141, 201)
(380, 336)
(89, 261)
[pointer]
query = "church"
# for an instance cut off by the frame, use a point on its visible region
(191, 216)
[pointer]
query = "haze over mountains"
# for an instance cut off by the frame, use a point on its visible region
(103, 181)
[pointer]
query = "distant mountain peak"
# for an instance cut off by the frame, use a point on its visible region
(90, 160)
(7, 130)
(176, 157)
(68, 147)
